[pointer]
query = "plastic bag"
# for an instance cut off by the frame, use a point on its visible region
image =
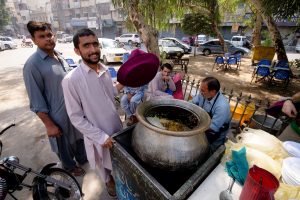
(286, 192)
(263, 141)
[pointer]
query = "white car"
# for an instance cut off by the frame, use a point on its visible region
(65, 38)
(238, 40)
(8, 42)
(111, 51)
(201, 39)
(168, 49)
(129, 39)
(186, 48)
(2, 46)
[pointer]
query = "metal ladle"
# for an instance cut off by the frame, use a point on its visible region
(226, 194)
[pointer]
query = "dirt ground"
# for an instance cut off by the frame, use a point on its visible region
(239, 80)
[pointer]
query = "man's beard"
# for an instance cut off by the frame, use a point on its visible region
(89, 61)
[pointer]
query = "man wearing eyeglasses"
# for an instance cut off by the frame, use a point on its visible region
(43, 73)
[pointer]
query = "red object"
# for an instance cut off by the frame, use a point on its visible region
(178, 94)
(139, 69)
(259, 185)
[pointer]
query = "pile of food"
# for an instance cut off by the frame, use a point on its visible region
(167, 124)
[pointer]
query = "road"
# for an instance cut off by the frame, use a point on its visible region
(27, 140)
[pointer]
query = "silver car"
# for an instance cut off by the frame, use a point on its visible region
(214, 47)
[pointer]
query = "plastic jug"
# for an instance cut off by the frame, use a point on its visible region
(259, 185)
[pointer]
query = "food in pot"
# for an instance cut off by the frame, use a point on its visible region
(167, 124)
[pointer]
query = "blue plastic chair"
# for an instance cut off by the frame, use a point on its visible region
(219, 61)
(113, 73)
(71, 62)
(262, 70)
(232, 60)
(281, 72)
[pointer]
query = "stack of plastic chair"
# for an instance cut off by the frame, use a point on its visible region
(281, 72)
(262, 70)
(219, 61)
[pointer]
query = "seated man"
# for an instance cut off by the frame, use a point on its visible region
(130, 100)
(216, 105)
(162, 85)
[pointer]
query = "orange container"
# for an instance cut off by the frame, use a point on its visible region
(238, 112)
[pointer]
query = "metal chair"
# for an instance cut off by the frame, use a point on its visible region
(219, 61)
(262, 70)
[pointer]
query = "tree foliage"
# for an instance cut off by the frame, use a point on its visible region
(282, 9)
(4, 16)
(196, 23)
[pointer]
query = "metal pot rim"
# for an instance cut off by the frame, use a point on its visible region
(197, 110)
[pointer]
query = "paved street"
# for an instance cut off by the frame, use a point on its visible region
(27, 140)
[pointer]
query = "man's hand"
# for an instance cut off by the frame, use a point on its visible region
(108, 143)
(53, 131)
(289, 109)
(166, 78)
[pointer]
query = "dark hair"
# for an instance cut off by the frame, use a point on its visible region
(34, 26)
(166, 65)
(81, 33)
(212, 83)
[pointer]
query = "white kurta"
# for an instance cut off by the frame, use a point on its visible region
(89, 100)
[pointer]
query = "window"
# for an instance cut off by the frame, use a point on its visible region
(136, 36)
(235, 39)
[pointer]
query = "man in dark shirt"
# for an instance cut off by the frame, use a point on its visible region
(43, 73)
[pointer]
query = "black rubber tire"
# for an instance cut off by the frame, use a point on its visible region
(239, 52)
(206, 52)
(47, 190)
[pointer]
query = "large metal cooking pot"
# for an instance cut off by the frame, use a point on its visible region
(266, 123)
(171, 150)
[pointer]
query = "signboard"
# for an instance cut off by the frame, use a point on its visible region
(92, 24)
(75, 22)
(234, 28)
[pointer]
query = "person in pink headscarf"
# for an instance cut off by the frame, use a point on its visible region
(177, 78)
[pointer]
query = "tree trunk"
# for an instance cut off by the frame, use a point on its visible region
(275, 34)
(219, 35)
(256, 35)
(149, 35)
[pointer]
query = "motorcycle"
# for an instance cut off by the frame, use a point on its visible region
(50, 183)
(26, 44)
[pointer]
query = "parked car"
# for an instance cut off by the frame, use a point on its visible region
(65, 38)
(201, 39)
(186, 48)
(129, 39)
(168, 49)
(2, 46)
(241, 41)
(8, 42)
(111, 51)
(214, 46)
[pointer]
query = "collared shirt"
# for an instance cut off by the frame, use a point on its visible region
(43, 76)
(90, 103)
(220, 111)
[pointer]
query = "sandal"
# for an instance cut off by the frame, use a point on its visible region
(77, 171)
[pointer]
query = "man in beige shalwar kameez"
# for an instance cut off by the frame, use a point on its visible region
(89, 96)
